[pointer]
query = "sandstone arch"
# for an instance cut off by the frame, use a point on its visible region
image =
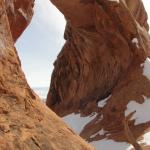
(25, 122)
(107, 43)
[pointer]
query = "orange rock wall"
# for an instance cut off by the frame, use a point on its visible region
(25, 122)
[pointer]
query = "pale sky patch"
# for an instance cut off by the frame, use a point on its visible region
(147, 7)
(41, 42)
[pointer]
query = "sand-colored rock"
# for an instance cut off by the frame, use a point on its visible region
(106, 44)
(25, 122)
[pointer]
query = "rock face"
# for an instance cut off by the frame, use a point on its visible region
(19, 14)
(103, 70)
(25, 122)
(138, 11)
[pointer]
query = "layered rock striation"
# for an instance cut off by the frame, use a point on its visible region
(25, 122)
(103, 71)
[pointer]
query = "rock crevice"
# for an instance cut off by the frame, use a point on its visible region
(25, 122)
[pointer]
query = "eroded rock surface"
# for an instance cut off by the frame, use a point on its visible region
(101, 69)
(19, 13)
(25, 122)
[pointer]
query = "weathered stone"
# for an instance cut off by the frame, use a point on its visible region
(106, 44)
(25, 122)
(19, 14)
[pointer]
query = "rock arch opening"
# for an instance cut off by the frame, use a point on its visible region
(40, 44)
(27, 123)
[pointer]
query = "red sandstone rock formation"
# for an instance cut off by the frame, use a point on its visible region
(105, 54)
(19, 13)
(25, 122)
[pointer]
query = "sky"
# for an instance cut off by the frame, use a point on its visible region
(147, 7)
(42, 41)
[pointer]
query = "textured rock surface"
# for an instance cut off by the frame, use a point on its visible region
(138, 11)
(106, 43)
(25, 122)
(19, 14)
